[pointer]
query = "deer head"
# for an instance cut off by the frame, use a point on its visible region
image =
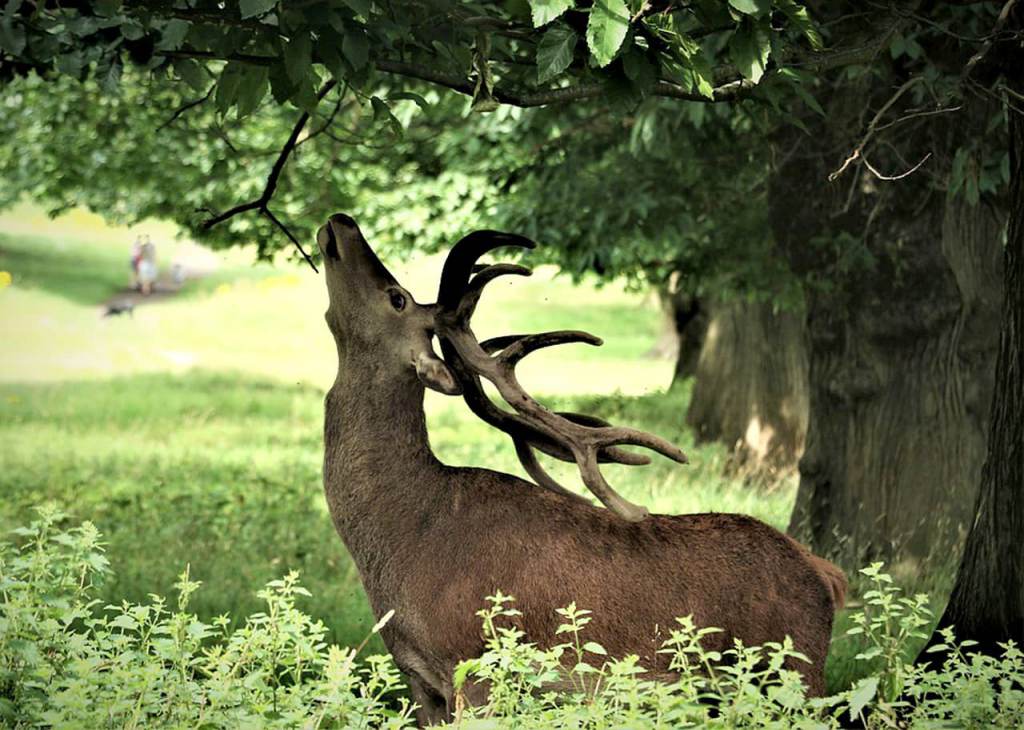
(370, 310)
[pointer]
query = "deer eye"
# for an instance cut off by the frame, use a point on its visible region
(397, 301)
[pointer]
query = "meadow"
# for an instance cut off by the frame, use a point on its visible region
(190, 433)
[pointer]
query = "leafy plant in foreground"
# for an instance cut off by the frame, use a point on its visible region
(67, 661)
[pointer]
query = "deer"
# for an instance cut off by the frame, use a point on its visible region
(432, 541)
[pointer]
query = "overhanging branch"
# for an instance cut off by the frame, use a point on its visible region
(262, 203)
(729, 90)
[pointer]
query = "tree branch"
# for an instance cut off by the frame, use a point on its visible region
(858, 151)
(185, 107)
(728, 91)
(261, 203)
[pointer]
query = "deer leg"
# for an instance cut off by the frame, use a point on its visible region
(433, 709)
(429, 690)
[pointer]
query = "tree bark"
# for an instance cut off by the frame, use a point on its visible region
(689, 318)
(901, 339)
(987, 604)
(750, 390)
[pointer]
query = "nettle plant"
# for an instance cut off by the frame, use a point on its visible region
(67, 661)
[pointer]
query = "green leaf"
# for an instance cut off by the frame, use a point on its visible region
(595, 648)
(281, 85)
(298, 56)
(70, 63)
(382, 112)
(555, 52)
(252, 87)
(749, 48)
(111, 76)
(12, 36)
(191, 73)
(607, 29)
(797, 84)
(747, 7)
(173, 34)
(329, 53)
(409, 96)
(861, 694)
(228, 85)
(544, 11)
(639, 70)
(359, 7)
(462, 672)
(801, 19)
(252, 8)
(355, 47)
(869, 654)
(132, 30)
(107, 8)
(702, 73)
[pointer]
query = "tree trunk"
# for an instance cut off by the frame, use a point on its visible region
(690, 322)
(987, 604)
(901, 340)
(751, 386)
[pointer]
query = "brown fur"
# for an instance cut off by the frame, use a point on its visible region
(432, 541)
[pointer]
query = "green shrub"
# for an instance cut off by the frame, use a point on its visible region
(66, 661)
(751, 688)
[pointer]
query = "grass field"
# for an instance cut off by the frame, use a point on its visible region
(191, 433)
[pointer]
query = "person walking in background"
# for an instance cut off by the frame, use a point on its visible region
(147, 266)
(136, 260)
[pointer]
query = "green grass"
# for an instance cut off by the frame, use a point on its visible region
(222, 472)
(191, 433)
(89, 272)
(82, 272)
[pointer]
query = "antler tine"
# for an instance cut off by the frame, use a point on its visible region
(633, 437)
(605, 453)
(481, 405)
(585, 442)
(567, 436)
(529, 343)
(471, 295)
(529, 461)
(595, 481)
(459, 264)
(496, 344)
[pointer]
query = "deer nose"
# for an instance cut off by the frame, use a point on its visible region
(326, 241)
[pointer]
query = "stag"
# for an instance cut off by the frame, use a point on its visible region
(431, 541)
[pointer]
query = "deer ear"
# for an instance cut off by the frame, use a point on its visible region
(434, 374)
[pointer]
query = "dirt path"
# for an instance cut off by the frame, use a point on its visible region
(166, 286)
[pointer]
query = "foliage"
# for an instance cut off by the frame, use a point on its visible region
(490, 51)
(649, 182)
(67, 660)
(741, 687)
(194, 115)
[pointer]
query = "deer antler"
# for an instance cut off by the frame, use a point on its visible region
(573, 437)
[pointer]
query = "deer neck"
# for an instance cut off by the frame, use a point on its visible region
(379, 471)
